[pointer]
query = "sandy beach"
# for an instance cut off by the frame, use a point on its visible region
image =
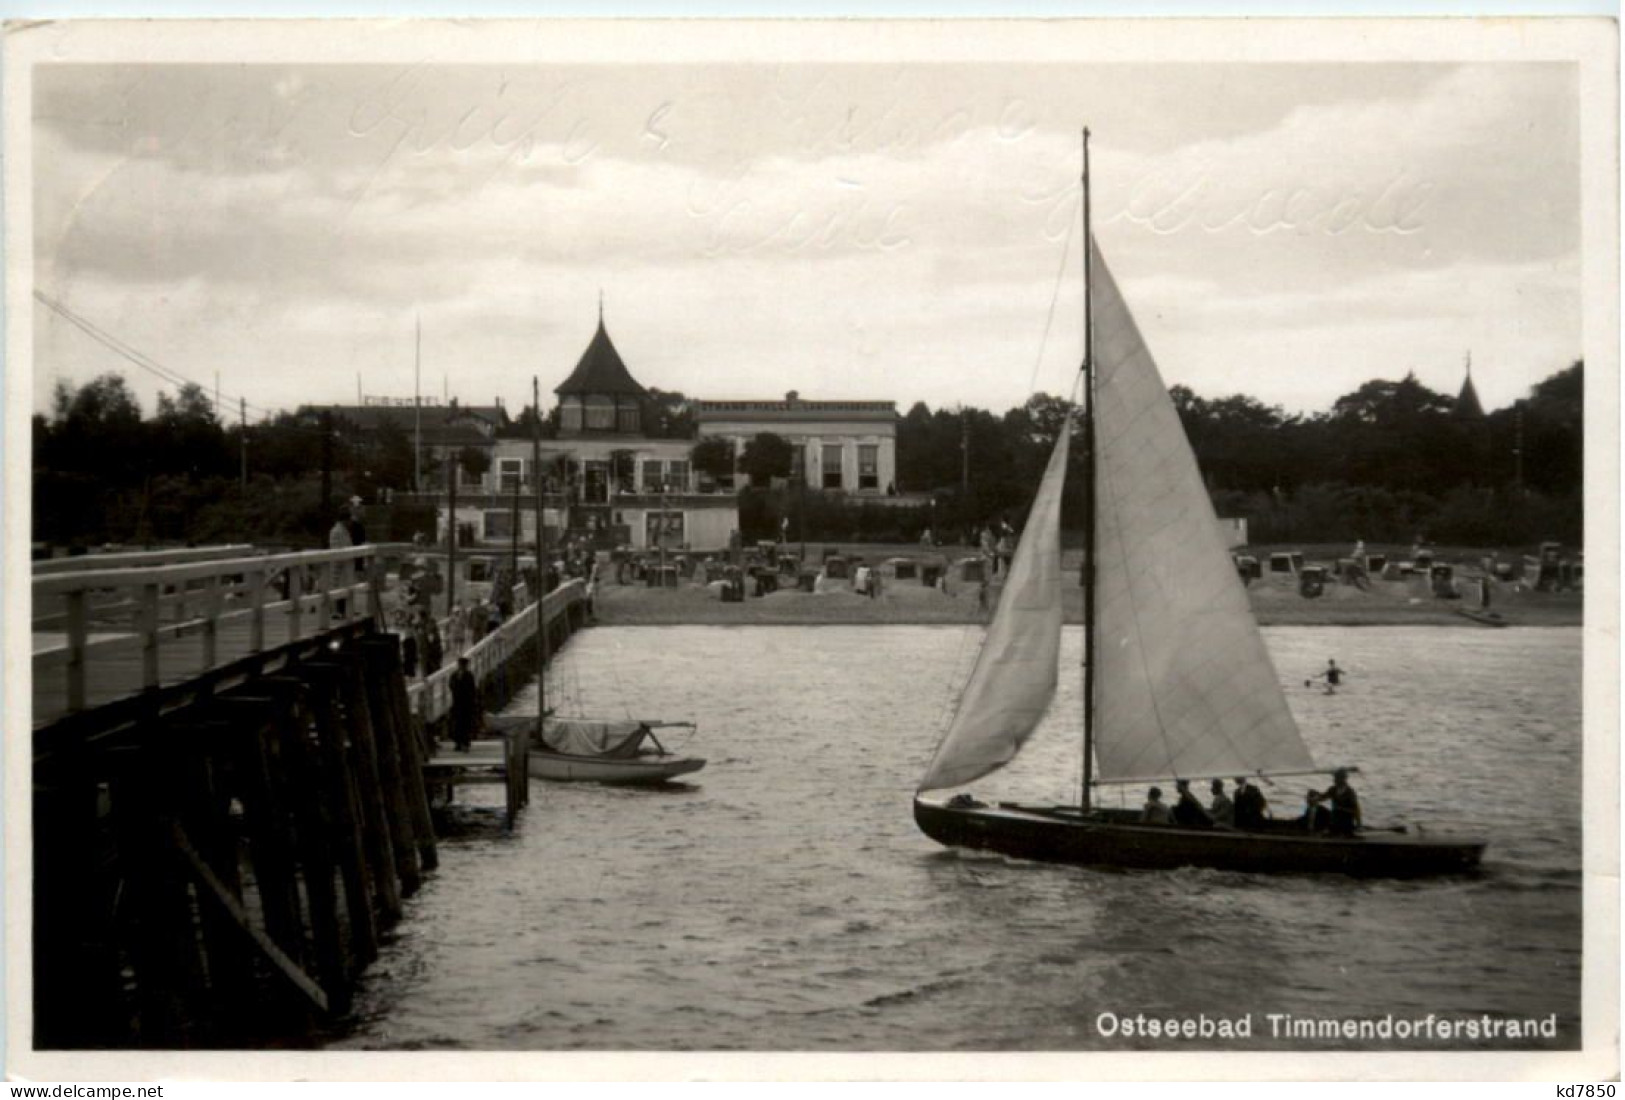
(1276, 601)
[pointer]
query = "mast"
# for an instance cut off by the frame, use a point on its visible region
(541, 570)
(1087, 577)
(417, 409)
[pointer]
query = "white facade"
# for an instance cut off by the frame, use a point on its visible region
(849, 446)
(647, 485)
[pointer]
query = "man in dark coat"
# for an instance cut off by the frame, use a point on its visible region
(465, 706)
(1187, 810)
(1250, 805)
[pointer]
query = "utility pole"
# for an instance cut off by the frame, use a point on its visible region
(513, 537)
(964, 474)
(417, 410)
(452, 463)
(1517, 447)
(242, 439)
(327, 461)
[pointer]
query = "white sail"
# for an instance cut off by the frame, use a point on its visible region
(1014, 679)
(1184, 685)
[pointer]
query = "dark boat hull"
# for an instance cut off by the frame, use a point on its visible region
(1060, 835)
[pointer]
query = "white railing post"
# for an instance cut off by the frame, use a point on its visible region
(325, 614)
(296, 597)
(212, 597)
(76, 649)
(149, 635)
(256, 610)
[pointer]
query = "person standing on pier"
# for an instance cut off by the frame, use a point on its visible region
(465, 706)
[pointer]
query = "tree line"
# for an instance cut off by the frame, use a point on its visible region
(1387, 462)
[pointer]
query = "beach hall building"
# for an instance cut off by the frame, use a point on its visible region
(844, 446)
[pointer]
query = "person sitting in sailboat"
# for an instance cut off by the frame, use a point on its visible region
(1187, 810)
(1315, 817)
(1250, 805)
(1221, 809)
(1345, 805)
(1155, 812)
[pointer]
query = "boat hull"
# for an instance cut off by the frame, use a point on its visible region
(631, 771)
(1060, 835)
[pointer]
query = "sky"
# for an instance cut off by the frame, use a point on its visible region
(851, 231)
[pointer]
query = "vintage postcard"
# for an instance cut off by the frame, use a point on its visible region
(886, 549)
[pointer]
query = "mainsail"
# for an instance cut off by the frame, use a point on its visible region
(1185, 686)
(1014, 679)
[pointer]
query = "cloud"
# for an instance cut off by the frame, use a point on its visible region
(873, 231)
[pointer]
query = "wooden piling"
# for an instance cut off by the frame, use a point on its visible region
(338, 793)
(197, 760)
(410, 738)
(377, 671)
(164, 948)
(355, 716)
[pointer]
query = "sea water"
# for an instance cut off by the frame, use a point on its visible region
(783, 899)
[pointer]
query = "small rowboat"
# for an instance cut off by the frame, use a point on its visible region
(1488, 618)
(586, 750)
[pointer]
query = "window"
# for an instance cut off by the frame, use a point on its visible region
(798, 461)
(600, 414)
(651, 475)
(468, 479)
(628, 416)
(510, 474)
(868, 466)
(664, 529)
(570, 416)
(832, 465)
(499, 525)
(677, 475)
(595, 482)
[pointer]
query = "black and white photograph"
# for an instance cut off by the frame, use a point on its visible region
(878, 538)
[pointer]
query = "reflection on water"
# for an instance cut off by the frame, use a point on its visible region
(785, 900)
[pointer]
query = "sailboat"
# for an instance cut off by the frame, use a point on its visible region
(1177, 682)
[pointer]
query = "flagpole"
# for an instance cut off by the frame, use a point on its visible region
(417, 409)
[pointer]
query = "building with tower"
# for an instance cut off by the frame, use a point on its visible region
(606, 476)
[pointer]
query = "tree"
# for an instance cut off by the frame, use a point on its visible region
(713, 457)
(388, 457)
(188, 438)
(475, 461)
(766, 457)
(668, 415)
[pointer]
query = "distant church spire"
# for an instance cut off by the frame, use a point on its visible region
(1468, 407)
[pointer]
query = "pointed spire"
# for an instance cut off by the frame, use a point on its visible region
(1468, 406)
(600, 307)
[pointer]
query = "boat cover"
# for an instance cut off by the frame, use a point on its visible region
(591, 737)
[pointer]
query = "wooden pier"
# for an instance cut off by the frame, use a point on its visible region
(229, 792)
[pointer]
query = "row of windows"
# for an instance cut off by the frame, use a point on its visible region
(670, 475)
(830, 465)
(599, 418)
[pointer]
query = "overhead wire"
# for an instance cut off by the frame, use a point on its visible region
(131, 354)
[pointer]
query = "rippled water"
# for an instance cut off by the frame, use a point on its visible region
(785, 900)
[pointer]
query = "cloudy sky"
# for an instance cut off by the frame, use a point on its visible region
(905, 232)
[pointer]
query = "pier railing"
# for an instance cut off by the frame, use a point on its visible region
(112, 631)
(431, 697)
